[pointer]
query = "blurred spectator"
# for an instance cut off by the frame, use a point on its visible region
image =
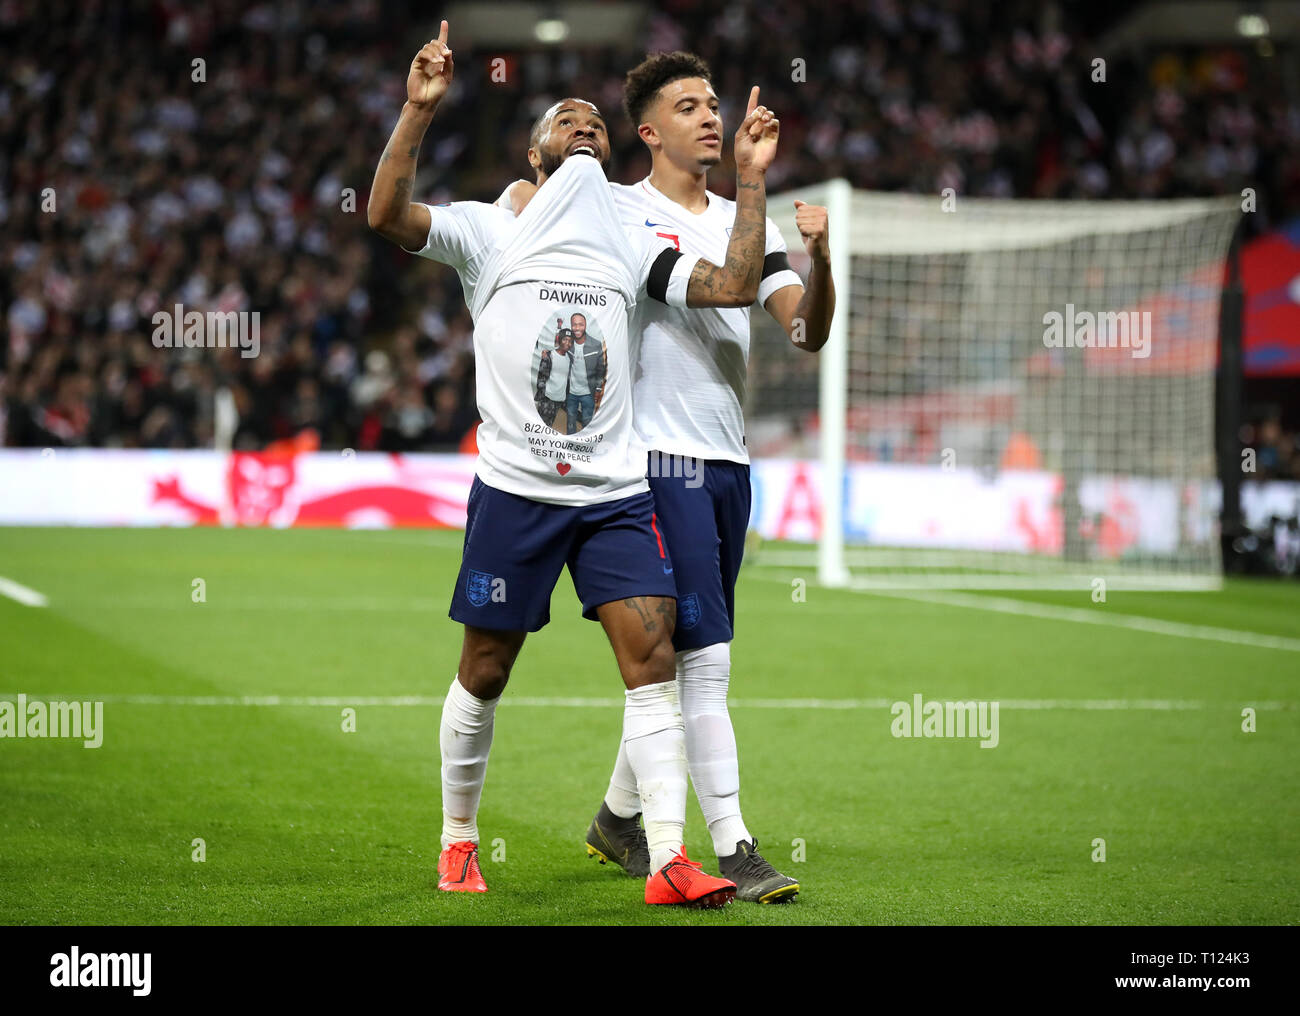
(246, 189)
(1277, 450)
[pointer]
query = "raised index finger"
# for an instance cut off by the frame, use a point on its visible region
(753, 100)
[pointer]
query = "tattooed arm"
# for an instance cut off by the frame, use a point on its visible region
(735, 283)
(806, 314)
(390, 212)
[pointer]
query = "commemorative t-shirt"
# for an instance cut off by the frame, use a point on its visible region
(690, 365)
(578, 374)
(558, 369)
(525, 279)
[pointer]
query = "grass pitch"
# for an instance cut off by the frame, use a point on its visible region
(303, 822)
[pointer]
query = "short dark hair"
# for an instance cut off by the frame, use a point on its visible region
(535, 133)
(644, 80)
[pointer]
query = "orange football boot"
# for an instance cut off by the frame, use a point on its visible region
(683, 882)
(458, 870)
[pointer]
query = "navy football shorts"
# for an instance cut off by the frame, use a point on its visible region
(516, 547)
(703, 510)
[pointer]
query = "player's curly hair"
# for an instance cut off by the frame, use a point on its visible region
(644, 80)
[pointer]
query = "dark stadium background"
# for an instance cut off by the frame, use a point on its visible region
(229, 193)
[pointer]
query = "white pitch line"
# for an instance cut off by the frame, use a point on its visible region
(372, 604)
(1134, 622)
(1152, 705)
(1050, 582)
(15, 591)
(1051, 612)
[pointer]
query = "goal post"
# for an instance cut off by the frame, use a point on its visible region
(833, 388)
(1014, 394)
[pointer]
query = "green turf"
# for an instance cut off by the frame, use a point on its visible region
(305, 823)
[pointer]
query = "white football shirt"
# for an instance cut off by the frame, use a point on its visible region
(565, 254)
(690, 365)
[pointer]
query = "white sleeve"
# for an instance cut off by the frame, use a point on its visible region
(777, 273)
(503, 200)
(680, 280)
(460, 230)
(665, 272)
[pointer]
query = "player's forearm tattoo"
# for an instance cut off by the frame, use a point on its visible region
(388, 153)
(742, 270)
(395, 174)
(703, 279)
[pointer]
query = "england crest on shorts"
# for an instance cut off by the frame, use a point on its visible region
(688, 611)
(478, 587)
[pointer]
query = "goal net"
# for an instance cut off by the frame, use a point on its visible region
(1015, 394)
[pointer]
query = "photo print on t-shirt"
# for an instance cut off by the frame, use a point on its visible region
(570, 364)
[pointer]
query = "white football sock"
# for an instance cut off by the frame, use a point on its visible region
(622, 797)
(466, 738)
(702, 677)
(656, 751)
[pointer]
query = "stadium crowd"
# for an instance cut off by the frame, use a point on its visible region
(219, 157)
(1276, 449)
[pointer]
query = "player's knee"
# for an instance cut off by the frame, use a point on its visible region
(487, 680)
(484, 670)
(659, 662)
(650, 662)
